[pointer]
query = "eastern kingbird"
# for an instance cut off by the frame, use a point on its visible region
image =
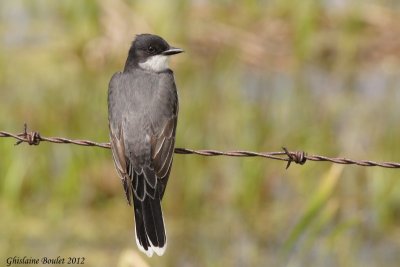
(142, 115)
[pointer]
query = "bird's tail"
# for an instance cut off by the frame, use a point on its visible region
(149, 224)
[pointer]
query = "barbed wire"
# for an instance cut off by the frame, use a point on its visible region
(299, 157)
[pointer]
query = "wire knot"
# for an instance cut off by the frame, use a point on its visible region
(32, 138)
(298, 157)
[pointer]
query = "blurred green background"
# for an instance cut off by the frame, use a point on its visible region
(318, 76)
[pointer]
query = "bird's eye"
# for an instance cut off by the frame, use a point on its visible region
(151, 49)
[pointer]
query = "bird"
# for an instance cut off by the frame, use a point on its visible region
(142, 113)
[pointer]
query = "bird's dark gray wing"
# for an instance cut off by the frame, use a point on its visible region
(121, 163)
(162, 150)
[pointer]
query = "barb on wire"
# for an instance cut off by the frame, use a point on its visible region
(298, 157)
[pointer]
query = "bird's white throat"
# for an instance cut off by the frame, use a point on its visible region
(155, 63)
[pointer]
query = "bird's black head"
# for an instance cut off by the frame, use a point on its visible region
(150, 52)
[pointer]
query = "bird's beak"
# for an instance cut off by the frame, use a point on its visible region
(172, 51)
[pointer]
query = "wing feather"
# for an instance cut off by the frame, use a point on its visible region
(162, 148)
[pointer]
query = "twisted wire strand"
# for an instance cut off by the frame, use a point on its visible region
(299, 157)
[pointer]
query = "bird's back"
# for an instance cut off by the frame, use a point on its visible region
(142, 101)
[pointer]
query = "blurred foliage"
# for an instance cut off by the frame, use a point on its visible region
(319, 76)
